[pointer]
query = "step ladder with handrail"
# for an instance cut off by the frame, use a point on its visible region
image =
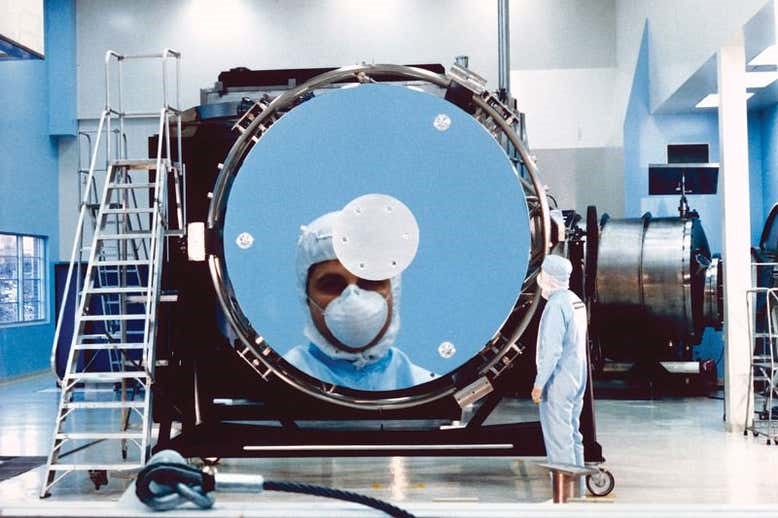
(117, 298)
(762, 303)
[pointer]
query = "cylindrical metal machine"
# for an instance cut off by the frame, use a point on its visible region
(656, 283)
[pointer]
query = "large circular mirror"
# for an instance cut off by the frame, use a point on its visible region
(436, 160)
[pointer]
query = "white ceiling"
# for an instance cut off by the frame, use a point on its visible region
(758, 34)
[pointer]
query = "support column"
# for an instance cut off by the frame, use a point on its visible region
(736, 225)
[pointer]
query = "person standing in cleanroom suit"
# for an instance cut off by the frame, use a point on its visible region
(352, 323)
(561, 363)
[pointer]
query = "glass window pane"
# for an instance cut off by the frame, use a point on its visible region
(28, 244)
(32, 267)
(9, 291)
(8, 266)
(28, 265)
(7, 313)
(7, 244)
(31, 290)
(32, 311)
(27, 285)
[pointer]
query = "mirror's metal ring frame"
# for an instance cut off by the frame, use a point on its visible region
(494, 358)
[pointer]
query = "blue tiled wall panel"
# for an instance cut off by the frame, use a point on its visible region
(29, 174)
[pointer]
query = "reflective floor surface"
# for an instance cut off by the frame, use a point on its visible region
(672, 452)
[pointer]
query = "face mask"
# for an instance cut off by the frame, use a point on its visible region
(356, 316)
(545, 289)
(548, 285)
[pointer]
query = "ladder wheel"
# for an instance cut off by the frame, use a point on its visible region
(99, 477)
(600, 483)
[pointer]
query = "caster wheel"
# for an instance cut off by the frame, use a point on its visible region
(600, 483)
(210, 461)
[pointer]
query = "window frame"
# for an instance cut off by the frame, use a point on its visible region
(38, 297)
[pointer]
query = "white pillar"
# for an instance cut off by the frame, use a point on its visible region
(736, 225)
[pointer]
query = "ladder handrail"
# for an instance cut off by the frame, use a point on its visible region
(160, 181)
(771, 302)
(84, 199)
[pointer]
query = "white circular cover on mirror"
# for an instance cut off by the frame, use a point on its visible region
(375, 237)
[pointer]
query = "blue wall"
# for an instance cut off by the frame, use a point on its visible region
(29, 187)
(768, 124)
(61, 66)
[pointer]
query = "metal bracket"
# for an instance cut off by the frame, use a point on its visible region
(468, 79)
(258, 365)
(251, 114)
(473, 392)
(506, 360)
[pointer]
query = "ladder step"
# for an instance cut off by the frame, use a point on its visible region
(143, 163)
(131, 235)
(94, 336)
(132, 185)
(132, 210)
(99, 435)
(129, 262)
(100, 318)
(118, 289)
(93, 405)
(105, 376)
(107, 346)
(93, 467)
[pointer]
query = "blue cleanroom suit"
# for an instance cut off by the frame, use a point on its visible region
(562, 374)
(392, 371)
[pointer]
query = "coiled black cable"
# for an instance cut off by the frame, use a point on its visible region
(327, 492)
(167, 482)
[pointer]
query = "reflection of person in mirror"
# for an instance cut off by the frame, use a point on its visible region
(352, 323)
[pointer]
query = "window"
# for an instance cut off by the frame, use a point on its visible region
(22, 279)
